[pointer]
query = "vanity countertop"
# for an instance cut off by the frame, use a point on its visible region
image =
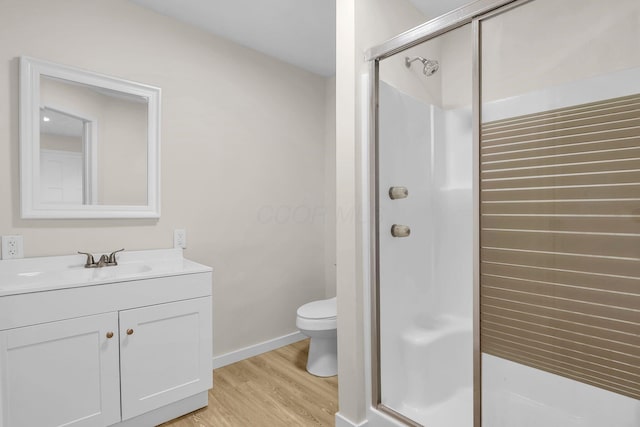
(27, 275)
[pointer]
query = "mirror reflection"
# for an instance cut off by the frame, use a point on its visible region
(93, 145)
(62, 158)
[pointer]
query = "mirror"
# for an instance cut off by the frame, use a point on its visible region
(89, 144)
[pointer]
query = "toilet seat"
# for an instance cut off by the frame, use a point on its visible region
(318, 315)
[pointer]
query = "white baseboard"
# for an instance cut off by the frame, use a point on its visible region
(341, 421)
(254, 350)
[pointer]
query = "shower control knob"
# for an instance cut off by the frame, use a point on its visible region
(400, 230)
(398, 193)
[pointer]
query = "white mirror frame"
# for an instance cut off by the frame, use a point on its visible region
(31, 70)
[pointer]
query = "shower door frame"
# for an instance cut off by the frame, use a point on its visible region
(472, 14)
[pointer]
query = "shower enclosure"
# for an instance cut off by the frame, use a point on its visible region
(505, 236)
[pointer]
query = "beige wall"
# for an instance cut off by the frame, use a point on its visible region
(517, 57)
(122, 153)
(349, 290)
(456, 54)
(243, 139)
(330, 189)
(412, 80)
(50, 141)
(546, 43)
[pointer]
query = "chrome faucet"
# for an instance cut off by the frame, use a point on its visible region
(104, 261)
(112, 257)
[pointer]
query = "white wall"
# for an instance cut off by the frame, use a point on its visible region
(243, 146)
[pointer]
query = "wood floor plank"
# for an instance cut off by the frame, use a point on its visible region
(269, 390)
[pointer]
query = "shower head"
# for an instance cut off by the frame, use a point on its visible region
(430, 66)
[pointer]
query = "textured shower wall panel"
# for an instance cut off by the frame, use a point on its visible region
(560, 242)
(453, 213)
(406, 273)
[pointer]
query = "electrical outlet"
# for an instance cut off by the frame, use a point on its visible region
(180, 238)
(12, 247)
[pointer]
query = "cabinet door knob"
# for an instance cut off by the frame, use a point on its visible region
(109, 334)
(129, 331)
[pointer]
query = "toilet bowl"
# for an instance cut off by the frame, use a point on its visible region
(318, 321)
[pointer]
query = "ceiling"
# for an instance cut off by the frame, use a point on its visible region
(300, 32)
(55, 122)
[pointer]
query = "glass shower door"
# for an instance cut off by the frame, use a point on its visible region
(560, 223)
(425, 231)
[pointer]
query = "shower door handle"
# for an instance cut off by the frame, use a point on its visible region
(398, 230)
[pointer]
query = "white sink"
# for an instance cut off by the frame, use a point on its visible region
(48, 273)
(99, 273)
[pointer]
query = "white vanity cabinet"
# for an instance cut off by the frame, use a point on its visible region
(166, 357)
(132, 350)
(61, 373)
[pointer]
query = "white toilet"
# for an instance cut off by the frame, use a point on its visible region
(318, 321)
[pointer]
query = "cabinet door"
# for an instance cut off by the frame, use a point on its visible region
(61, 373)
(165, 354)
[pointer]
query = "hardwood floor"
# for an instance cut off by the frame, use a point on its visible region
(270, 390)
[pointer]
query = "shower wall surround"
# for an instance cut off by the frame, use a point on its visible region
(571, 314)
(426, 298)
(561, 242)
